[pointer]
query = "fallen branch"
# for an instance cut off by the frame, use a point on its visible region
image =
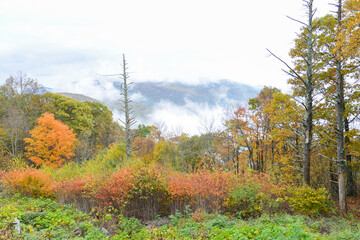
(16, 223)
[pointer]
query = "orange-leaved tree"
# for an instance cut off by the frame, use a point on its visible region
(51, 142)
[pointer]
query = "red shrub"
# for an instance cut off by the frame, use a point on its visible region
(76, 191)
(115, 190)
(73, 188)
(180, 189)
(142, 192)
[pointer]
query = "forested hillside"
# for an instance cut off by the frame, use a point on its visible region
(285, 165)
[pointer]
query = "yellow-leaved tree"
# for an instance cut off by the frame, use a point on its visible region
(51, 142)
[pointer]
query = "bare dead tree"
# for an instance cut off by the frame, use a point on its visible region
(126, 107)
(129, 121)
(307, 82)
(309, 89)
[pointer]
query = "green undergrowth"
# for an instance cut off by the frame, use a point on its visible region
(42, 218)
(265, 227)
(45, 219)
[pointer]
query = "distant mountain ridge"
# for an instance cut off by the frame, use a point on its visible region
(147, 95)
(221, 93)
(78, 97)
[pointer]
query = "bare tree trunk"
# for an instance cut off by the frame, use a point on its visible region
(308, 84)
(350, 175)
(334, 186)
(340, 151)
(308, 118)
(129, 121)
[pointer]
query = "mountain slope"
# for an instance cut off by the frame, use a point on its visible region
(79, 97)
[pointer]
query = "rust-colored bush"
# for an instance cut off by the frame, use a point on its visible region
(116, 190)
(147, 191)
(78, 191)
(29, 182)
(205, 190)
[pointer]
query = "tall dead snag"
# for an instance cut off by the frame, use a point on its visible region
(129, 121)
(340, 105)
(125, 107)
(309, 87)
(304, 79)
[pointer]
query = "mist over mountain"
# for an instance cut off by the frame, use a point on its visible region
(176, 104)
(221, 93)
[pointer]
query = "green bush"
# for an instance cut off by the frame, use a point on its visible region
(246, 201)
(150, 194)
(310, 202)
(129, 228)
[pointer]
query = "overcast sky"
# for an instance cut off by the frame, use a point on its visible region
(67, 41)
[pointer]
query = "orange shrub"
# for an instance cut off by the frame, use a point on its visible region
(29, 182)
(116, 190)
(210, 189)
(147, 191)
(180, 186)
(205, 190)
(180, 189)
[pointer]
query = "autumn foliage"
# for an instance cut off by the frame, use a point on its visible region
(51, 142)
(151, 191)
(29, 182)
(76, 191)
(204, 190)
(116, 190)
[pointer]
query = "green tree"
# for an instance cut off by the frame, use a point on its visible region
(73, 113)
(105, 131)
(143, 131)
(91, 121)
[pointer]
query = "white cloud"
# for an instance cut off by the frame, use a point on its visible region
(163, 40)
(66, 44)
(189, 117)
(105, 93)
(138, 97)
